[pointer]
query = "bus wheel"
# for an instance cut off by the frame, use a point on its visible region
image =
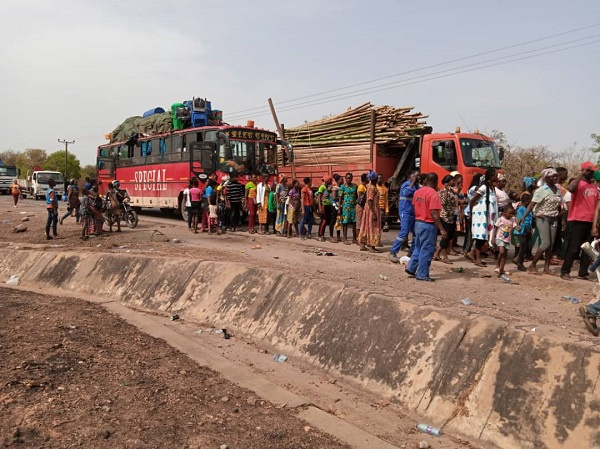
(183, 211)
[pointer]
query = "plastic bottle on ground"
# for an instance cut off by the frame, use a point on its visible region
(426, 428)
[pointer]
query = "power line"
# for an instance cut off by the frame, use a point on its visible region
(431, 78)
(370, 89)
(427, 67)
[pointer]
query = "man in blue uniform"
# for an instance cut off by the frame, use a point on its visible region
(407, 215)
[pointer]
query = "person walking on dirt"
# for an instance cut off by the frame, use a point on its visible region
(361, 199)
(187, 203)
(307, 213)
(281, 193)
(384, 207)
(262, 201)
(428, 205)
(114, 208)
(407, 215)
(448, 217)
(484, 212)
(335, 222)
(293, 209)
(196, 197)
(584, 198)
(324, 205)
(52, 208)
(347, 198)
(73, 202)
(546, 206)
(234, 197)
(250, 192)
(369, 237)
(15, 191)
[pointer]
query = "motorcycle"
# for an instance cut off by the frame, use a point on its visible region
(127, 213)
(130, 216)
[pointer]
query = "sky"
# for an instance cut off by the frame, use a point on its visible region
(76, 69)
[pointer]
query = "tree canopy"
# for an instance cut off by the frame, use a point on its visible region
(56, 162)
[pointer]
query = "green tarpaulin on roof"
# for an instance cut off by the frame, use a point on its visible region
(133, 126)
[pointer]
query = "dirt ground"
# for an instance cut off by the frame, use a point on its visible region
(121, 357)
(73, 375)
(530, 302)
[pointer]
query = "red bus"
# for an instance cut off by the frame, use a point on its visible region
(155, 169)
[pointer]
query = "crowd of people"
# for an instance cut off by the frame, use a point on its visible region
(89, 208)
(550, 215)
(286, 208)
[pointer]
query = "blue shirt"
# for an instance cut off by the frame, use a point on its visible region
(208, 192)
(406, 196)
(51, 201)
(527, 222)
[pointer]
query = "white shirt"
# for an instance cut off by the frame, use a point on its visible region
(186, 194)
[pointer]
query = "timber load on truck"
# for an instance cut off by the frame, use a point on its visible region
(388, 140)
(347, 139)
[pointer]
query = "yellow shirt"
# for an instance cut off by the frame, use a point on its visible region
(383, 198)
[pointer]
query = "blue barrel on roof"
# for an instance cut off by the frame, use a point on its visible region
(153, 111)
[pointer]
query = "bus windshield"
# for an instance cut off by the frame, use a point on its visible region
(8, 171)
(479, 153)
(250, 157)
(43, 178)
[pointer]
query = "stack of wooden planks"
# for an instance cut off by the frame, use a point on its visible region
(346, 138)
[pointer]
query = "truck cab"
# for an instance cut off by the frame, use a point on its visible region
(39, 183)
(8, 173)
(467, 153)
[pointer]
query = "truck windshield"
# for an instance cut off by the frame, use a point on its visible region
(479, 153)
(8, 171)
(43, 178)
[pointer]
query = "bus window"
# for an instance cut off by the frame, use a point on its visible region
(210, 136)
(153, 152)
(243, 156)
(162, 146)
(177, 144)
(124, 152)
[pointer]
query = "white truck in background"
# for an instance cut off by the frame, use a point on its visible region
(8, 173)
(36, 183)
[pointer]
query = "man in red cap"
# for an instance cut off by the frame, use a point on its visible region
(584, 196)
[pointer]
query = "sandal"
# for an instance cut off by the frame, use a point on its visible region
(447, 262)
(469, 257)
(480, 264)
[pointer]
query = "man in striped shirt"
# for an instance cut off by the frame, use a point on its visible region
(234, 197)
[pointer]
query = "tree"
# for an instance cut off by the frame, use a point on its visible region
(9, 157)
(56, 162)
(88, 171)
(31, 158)
(596, 147)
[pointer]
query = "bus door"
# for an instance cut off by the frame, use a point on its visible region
(203, 157)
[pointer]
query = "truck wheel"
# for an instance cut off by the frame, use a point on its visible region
(183, 211)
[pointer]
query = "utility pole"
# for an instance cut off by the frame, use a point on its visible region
(66, 142)
(281, 135)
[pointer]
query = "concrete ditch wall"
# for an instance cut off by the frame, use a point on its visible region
(475, 376)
